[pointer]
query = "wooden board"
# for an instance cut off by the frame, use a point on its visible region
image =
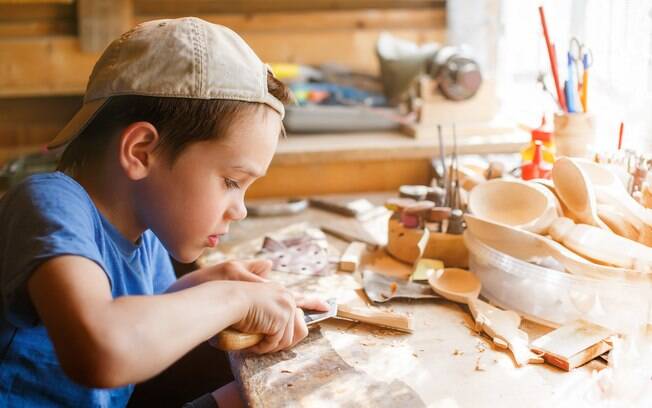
(443, 363)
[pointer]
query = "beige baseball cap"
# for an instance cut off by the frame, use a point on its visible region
(184, 58)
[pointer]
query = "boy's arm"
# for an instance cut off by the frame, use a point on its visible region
(106, 342)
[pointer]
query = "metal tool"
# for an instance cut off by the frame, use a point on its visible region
(381, 288)
(291, 206)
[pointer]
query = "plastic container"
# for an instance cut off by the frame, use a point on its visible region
(552, 297)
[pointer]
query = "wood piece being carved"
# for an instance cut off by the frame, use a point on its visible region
(376, 317)
(573, 345)
(350, 259)
(503, 327)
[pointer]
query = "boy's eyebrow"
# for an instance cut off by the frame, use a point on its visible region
(249, 170)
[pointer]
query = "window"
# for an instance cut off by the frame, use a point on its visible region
(619, 33)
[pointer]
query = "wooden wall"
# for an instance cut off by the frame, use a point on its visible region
(48, 47)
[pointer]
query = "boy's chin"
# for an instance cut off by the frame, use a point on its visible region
(186, 255)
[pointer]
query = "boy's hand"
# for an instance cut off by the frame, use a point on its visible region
(275, 312)
(255, 270)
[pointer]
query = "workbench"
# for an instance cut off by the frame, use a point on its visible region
(443, 363)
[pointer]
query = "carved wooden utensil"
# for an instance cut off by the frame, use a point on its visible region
(462, 286)
(610, 190)
(516, 203)
(525, 245)
(576, 192)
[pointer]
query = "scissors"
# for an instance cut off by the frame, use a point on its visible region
(581, 54)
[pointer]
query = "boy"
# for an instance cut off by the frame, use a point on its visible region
(179, 118)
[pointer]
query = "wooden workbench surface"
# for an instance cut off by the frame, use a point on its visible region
(444, 363)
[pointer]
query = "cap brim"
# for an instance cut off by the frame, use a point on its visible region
(78, 123)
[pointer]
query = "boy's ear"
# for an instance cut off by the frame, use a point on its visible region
(136, 149)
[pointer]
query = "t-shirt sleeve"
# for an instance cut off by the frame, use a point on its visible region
(41, 220)
(163, 272)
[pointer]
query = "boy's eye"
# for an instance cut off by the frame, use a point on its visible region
(231, 184)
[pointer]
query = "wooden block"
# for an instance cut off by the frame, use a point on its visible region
(350, 259)
(423, 268)
(573, 345)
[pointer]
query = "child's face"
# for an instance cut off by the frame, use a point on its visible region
(192, 203)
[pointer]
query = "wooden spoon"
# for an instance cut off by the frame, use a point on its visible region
(462, 286)
(617, 222)
(513, 202)
(525, 245)
(610, 190)
(602, 246)
(576, 192)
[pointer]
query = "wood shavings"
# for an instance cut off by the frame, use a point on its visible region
(393, 287)
(457, 352)
(479, 365)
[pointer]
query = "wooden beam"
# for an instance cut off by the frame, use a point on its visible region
(34, 121)
(195, 7)
(43, 66)
(57, 66)
(340, 177)
(299, 21)
(32, 12)
(38, 28)
(102, 21)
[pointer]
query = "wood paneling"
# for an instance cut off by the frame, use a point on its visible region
(195, 7)
(102, 21)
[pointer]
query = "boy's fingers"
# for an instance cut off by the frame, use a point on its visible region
(300, 328)
(288, 333)
(260, 267)
(312, 303)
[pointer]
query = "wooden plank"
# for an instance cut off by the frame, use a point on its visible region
(289, 22)
(30, 2)
(43, 66)
(337, 177)
(102, 21)
(195, 7)
(34, 121)
(31, 12)
(38, 28)
(352, 48)
(56, 65)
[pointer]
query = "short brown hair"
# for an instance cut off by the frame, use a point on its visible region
(179, 121)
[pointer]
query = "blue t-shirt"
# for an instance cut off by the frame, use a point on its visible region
(49, 215)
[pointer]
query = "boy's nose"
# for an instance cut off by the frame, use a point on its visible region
(237, 211)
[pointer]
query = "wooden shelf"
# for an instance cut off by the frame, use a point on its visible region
(373, 146)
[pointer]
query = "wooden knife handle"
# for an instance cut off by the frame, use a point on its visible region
(233, 340)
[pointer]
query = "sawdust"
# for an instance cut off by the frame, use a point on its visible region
(480, 365)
